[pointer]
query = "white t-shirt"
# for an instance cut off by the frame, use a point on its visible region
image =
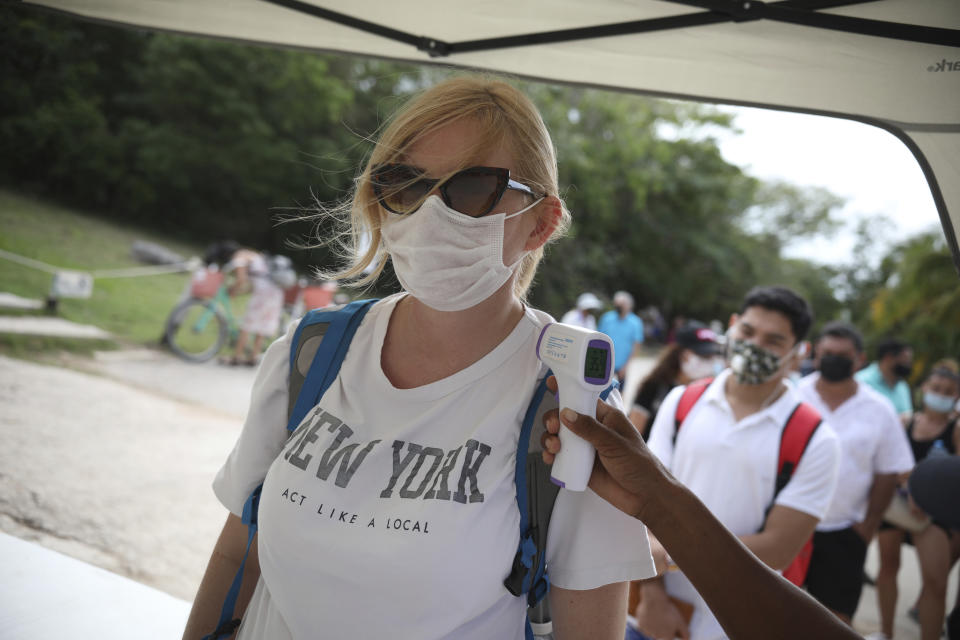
(392, 512)
(731, 466)
(575, 318)
(872, 441)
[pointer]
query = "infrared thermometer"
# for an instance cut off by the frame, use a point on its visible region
(582, 362)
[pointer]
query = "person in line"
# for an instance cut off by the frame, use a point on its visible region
(695, 354)
(931, 432)
(727, 452)
(873, 453)
(749, 600)
(654, 326)
(934, 485)
(888, 375)
(625, 328)
(261, 319)
(460, 192)
(250, 273)
(677, 322)
(581, 316)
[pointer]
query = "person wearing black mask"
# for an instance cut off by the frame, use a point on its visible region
(888, 375)
(873, 452)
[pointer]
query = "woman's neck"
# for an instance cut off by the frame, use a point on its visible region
(424, 345)
(492, 319)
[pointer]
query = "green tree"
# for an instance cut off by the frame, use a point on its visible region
(200, 137)
(666, 216)
(211, 139)
(920, 300)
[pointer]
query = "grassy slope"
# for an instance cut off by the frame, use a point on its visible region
(133, 309)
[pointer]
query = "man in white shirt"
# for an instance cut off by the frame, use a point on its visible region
(582, 316)
(874, 451)
(727, 454)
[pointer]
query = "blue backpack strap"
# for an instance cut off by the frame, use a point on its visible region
(341, 325)
(520, 579)
(227, 624)
(606, 392)
(536, 495)
(306, 391)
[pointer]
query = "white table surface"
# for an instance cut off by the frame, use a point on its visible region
(46, 595)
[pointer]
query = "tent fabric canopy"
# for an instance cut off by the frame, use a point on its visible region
(894, 64)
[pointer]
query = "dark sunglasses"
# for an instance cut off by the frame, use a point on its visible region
(475, 191)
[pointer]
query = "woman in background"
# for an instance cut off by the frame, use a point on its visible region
(694, 354)
(932, 431)
(251, 274)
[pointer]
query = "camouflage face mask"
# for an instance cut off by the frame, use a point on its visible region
(752, 364)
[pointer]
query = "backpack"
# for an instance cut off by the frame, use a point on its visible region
(318, 349)
(796, 435)
(281, 271)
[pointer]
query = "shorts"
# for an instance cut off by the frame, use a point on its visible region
(908, 537)
(835, 576)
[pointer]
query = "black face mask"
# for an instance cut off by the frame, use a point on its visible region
(835, 368)
(902, 370)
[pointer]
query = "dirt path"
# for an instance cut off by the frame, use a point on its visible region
(115, 475)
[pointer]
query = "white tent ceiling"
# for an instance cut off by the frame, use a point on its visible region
(894, 64)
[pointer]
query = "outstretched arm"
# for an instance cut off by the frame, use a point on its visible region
(749, 600)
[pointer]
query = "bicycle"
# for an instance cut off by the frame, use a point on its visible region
(201, 324)
(198, 327)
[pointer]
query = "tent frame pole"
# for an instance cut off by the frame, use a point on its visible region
(799, 12)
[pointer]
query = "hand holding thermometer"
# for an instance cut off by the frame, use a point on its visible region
(582, 361)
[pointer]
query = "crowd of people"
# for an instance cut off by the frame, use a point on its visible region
(850, 484)
(392, 508)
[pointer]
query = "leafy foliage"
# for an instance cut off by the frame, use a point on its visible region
(189, 136)
(920, 300)
(667, 219)
(207, 139)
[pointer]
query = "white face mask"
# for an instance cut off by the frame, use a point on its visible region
(447, 260)
(696, 367)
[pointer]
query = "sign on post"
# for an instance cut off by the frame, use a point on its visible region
(71, 284)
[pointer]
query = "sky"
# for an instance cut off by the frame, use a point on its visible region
(871, 169)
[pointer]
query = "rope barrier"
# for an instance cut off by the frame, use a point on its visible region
(133, 272)
(28, 262)
(129, 272)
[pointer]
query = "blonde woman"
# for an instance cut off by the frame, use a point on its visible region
(460, 193)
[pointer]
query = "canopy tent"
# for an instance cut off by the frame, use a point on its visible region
(894, 64)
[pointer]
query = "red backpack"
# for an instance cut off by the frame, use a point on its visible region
(796, 435)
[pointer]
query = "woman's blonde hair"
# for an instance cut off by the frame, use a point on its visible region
(501, 115)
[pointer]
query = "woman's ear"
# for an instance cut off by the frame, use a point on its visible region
(548, 214)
